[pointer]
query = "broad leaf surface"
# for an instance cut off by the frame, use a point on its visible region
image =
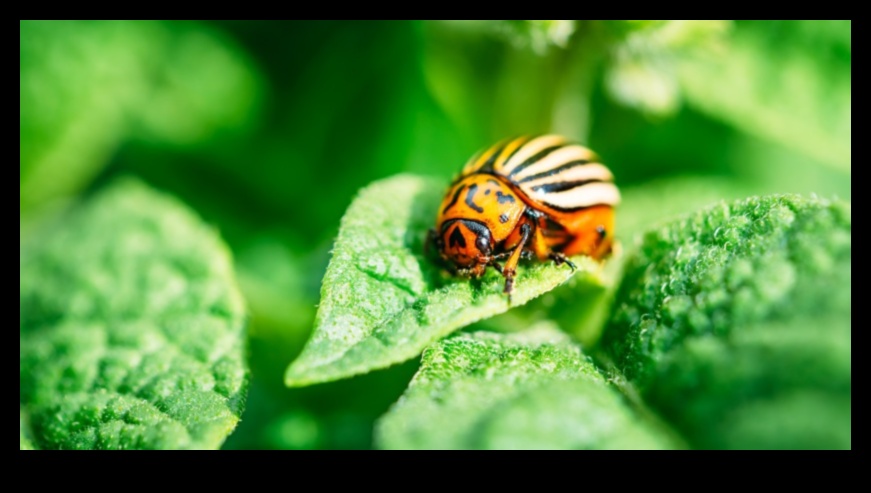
(735, 323)
(383, 300)
(131, 328)
(523, 391)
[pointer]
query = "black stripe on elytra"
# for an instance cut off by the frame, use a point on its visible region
(456, 238)
(453, 200)
(503, 218)
(562, 186)
(555, 171)
(502, 198)
(534, 159)
(508, 157)
(488, 164)
(471, 195)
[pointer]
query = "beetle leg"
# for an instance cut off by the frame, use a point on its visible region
(559, 259)
(500, 256)
(510, 268)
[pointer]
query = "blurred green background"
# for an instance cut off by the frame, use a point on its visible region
(267, 130)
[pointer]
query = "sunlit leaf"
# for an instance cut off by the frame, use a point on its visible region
(383, 301)
(528, 390)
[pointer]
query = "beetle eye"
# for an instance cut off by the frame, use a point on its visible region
(483, 245)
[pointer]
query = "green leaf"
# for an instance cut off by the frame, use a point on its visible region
(796, 92)
(658, 202)
(131, 327)
(383, 301)
(735, 323)
(530, 390)
(87, 86)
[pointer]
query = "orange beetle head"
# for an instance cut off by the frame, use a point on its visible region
(464, 242)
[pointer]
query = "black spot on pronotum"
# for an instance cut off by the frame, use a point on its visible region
(453, 200)
(502, 198)
(503, 218)
(456, 239)
(471, 195)
(487, 192)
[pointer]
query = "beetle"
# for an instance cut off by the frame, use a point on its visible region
(538, 197)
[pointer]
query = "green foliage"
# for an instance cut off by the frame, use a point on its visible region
(529, 390)
(86, 87)
(643, 72)
(795, 94)
(538, 34)
(25, 443)
(267, 130)
(736, 311)
(383, 301)
(131, 328)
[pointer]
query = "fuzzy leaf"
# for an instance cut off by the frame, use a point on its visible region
(131, 328)
(524, 391)
(383, 301)
(735, 323)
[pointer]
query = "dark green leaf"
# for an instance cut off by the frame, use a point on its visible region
(383, 301)
(527, 390)
(131, 328)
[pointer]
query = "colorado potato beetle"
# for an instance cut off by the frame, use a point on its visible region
(534, 197)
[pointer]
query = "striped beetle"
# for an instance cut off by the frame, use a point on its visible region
(541, 197)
